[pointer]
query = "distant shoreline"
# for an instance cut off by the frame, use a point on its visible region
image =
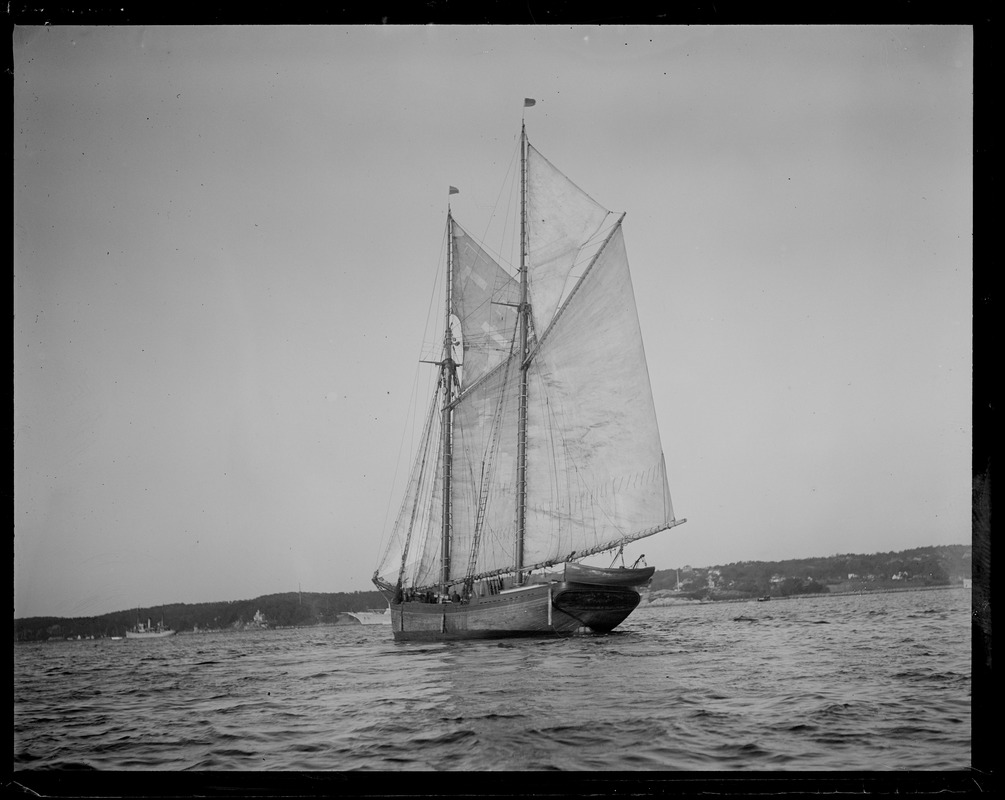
(675, 601)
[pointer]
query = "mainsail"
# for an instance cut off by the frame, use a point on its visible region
(595, 472)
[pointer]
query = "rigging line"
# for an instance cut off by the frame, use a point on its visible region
(508, 181)
(501, 365)
(416, 478)
(556, 444)
(485, 484)
(575, 289)
(475, 309)
(560, 172)
(656, 422)
(410, 422)
(574, 555)
(428, 529)
(423, 506)
(432, 343)
(435, 291)
(410, 419)
(587, 250)
(586, 491)
(493, 254)
(386, 538)
(483, 245)
(632, 537)
(483, 339)
(597, 239)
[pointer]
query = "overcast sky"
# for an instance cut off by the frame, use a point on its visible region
(227, 239)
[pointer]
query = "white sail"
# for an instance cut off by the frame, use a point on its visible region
(562, 222)
(483, 298)
(483, 489)
(595, 461)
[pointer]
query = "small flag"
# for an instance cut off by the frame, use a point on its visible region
(454, 190)
(528, 102)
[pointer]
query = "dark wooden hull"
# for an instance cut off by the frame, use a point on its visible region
(541, 610)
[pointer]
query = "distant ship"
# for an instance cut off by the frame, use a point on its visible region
(372, 617)
(149, 631)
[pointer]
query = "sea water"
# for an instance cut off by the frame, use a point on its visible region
(870, 682)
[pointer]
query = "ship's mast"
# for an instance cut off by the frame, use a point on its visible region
(522, 313)
(447, 378)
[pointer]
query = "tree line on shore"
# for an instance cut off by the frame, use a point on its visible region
(923, 566)
(289, 609)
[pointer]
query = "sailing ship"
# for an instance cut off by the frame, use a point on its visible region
(540, 447)
(149, 631)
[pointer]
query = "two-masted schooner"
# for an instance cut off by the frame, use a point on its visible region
(541, 446)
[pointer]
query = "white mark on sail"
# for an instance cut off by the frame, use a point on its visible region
(495, 335)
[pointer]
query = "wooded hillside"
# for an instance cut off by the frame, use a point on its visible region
(291, 609)
(923, 566)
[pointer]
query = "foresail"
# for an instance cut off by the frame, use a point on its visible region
(595, 466)
(484, 297)
(483, 497)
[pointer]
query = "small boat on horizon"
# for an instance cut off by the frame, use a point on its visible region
(148, 631)
(372, 616)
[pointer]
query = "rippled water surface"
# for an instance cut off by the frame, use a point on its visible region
(856, 682)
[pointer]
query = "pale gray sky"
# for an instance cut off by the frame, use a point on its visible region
(226, 242)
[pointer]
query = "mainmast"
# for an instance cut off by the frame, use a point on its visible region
(522, 316)
(448, 374)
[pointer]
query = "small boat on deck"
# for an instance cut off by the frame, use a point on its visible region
(602, 576)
